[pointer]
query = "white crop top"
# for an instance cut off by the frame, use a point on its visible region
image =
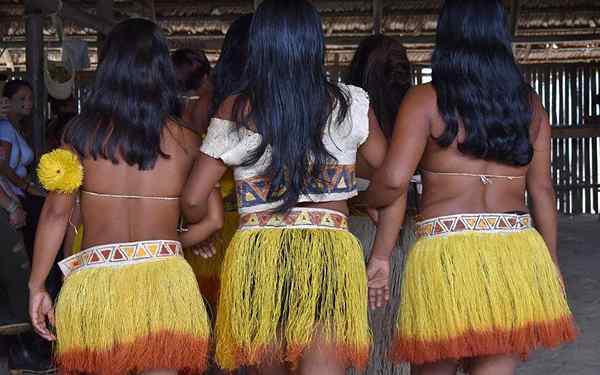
(234, 144)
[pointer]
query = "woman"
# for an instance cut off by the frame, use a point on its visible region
(130, 302)
(207, 259)
(294, 286)
(228, 71)
(481, 287)
(380, 66)
(192, 70)
(16, 155)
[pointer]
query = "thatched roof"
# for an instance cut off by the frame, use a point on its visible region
(547, 30)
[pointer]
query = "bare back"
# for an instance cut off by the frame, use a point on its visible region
(120, 219)
(479, 186)
(460, 183)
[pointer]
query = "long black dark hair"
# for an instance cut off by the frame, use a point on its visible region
(285, 86)
(191, 67)
(134, 94)
(479, 84)
(380, 66)
(228, 71)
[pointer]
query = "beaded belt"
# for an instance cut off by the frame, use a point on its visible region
(299, 218)
(481, 223)
(121, 254)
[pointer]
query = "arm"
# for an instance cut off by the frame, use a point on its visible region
(200, 185)
(50, 233)
(372, 154)
(539, 184)
(5, 170)
(212, 223)
(74, 221)
(391, 181)
(207, 170)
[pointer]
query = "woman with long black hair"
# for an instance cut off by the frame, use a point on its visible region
(294, 285)
(206, 258)
(192, 70)
(482, 286)
(380, 66)
(130, 302)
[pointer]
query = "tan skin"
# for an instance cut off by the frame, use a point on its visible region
(115, 220)
(195, 113)
(208, 171)
(19, 106)
(413, 145)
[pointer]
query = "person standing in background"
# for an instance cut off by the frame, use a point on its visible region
(206, 259)
(380, 66)
(192, 70)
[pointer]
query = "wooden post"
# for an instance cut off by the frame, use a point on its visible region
(105, 10)
(34, 24)
(515, 11)
(377, 16)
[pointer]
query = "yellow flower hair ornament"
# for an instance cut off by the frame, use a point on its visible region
(60, 171)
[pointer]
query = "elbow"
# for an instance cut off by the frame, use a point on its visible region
(54, 213)
(193, 208)
(540, 194)
(218, 221)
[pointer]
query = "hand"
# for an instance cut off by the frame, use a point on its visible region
(18, 218)
(378, 275)
(205, 249)
(41, 311)
(373, 214)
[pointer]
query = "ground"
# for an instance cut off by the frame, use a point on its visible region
(579, 256)
(579, 252)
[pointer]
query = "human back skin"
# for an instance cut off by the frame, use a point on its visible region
(449, 194)
(126, 220)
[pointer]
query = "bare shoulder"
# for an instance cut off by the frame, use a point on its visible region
(425, 94)
(225, 111)
(539, 117)
(184, 137)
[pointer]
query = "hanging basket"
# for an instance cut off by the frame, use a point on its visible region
(59, 78)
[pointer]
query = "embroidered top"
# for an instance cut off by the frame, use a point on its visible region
(234, 145)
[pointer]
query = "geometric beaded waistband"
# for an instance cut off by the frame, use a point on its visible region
(120, 254)
(295, 218)
(481, 223)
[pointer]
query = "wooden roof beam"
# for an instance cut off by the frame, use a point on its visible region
(73, 14)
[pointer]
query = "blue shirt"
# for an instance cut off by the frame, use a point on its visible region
(21, 155)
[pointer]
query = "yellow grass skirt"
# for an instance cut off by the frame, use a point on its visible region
(287, 278)
(129, 308)
(476, 285)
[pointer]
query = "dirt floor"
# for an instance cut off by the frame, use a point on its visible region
(579, 256)
(579, 252)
